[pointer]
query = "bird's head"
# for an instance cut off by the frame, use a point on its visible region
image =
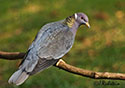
(81, 19)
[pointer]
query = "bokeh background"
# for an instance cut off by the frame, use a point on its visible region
(100, 48)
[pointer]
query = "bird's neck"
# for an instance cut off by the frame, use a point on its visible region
(72, 24)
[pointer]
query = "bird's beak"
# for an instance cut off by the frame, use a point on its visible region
(87, 24)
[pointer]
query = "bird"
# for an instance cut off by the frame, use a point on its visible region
(51, 43)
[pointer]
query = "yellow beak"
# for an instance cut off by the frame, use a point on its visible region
(87, 24)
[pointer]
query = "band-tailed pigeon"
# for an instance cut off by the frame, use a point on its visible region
(52, 42)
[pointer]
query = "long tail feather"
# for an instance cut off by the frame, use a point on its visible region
(18, 77)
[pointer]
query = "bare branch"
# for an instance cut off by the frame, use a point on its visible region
(11, 55)
(62, 65)
(90, 74)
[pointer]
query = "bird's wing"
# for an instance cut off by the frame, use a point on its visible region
(43, 64)
(44, 32)
(52, 42)
(55, 42)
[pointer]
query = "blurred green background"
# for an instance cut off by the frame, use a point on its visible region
(100, 48)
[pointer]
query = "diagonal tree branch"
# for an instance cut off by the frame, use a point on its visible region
(62, 65)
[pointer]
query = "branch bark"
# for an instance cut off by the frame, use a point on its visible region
(72, 69)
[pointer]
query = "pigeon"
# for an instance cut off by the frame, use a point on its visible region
(52, 42)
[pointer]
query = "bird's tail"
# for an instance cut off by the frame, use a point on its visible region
(18, 77)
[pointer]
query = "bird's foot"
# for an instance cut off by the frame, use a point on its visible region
(60, 60)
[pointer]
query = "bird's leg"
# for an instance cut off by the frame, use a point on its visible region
(60, 60)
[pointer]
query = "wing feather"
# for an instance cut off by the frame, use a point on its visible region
(43, 64)
(56, 43)
(52, 42)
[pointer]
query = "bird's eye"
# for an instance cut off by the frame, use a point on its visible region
(82, 18)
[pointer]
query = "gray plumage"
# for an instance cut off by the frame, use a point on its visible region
(52, 42)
